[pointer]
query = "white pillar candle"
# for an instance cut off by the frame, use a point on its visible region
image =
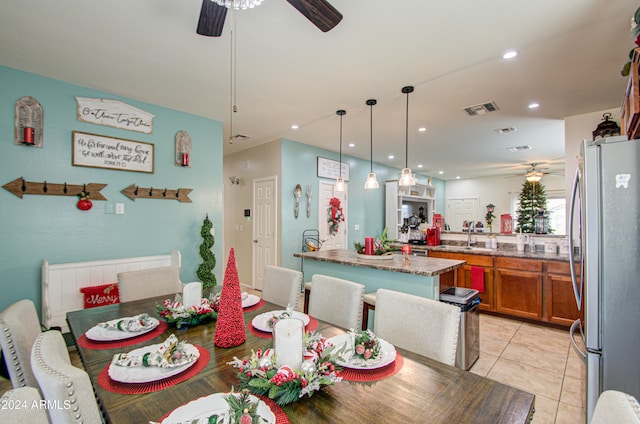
(287, 341)
(192, 294)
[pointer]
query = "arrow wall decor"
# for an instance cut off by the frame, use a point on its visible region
(20, 187)
(134, 192)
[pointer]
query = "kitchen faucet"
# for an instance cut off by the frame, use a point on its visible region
(470, 226)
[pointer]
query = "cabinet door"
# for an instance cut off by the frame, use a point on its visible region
(519, 293)
(486, 297)
(560, 302)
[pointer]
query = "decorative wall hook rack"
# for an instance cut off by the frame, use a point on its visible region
(20, 187)
(134, 192)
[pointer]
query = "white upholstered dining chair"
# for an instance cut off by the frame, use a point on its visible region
(281, 286)
(151, 282)
(615, 407)
(424, 326)
(61, 383)
(336, 301)
(19, 327)
(22, 405)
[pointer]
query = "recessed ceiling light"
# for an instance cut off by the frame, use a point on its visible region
(419, 166)
(294, 127)
(510, 54)
(457, 177)
(534, 105)
(352, 145)
(440, 172)
(422, 129)
(391, 157)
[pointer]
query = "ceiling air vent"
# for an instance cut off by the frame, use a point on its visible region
(481, 109)
(241, 137)
(506, 130)
(519, 148)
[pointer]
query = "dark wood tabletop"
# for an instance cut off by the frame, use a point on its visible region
(423, 391)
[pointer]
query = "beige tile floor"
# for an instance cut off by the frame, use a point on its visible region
(533, 358)
(539, 360)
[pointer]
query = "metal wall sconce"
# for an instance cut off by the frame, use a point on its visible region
(234, 180)
(183, 149)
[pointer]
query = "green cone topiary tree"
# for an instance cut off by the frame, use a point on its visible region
(205, 270)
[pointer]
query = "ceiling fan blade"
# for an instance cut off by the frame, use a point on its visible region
(319, 12)
(211, 19)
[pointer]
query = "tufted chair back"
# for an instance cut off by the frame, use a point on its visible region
(19, 327)
(281, 286)
(336, 301)
(62, 383)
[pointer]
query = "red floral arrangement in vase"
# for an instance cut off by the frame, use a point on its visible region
(335, 215)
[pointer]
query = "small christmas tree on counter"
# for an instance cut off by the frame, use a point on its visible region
(532, 200)
(205, 270)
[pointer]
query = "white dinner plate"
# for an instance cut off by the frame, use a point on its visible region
(261, 322)
(102, 334)
(147, 374)
(250, 300)
(387, 357)
(206, 406)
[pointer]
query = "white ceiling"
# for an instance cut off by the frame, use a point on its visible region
(288, 71)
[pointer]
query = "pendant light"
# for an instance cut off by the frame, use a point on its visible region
(371, 182)
(340, 182)
(406, 179)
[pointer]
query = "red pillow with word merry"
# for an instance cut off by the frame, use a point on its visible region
(106, 294)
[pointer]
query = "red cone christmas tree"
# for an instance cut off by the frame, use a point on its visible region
(230, 329)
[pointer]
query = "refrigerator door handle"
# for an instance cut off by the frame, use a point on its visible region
(572, 330)
(577, 289)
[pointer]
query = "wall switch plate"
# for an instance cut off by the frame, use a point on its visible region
(119, 208)
(356, 227)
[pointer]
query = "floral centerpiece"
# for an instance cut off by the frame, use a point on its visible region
(259, 374)
(334, 215)
(366, 347)
(175, 313)
(381, 245)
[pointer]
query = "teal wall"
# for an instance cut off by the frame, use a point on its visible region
(36, 228)
(365, 207)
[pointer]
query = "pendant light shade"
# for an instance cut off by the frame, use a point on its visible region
(406, 178)
(372, 182)
(340, 186)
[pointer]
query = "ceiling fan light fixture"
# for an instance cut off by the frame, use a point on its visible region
(238, 4)
(534, 177)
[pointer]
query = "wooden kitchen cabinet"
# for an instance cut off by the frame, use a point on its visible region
(463, 277)
(518, 287)
(560, 302)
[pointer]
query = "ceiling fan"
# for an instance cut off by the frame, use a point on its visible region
(535, 173)
(320, 12)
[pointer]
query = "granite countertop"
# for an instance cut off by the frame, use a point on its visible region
(417, 265)
(506, 251)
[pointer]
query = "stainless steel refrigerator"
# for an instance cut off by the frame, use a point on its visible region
(605, 208)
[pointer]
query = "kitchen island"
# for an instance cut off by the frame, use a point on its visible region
(413, 274)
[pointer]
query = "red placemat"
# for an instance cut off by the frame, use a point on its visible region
(258, 305)
(313, 324)
(83, 341)
(351, 374)
(153, 386)
(281, 417)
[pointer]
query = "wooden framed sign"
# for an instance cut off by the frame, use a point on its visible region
(99, 151)
(328, 168)
(114, 113)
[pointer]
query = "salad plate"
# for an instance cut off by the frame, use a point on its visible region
(250, 300)
(215, 404)
(261, 322)
(387, 355)
(101, 333)
(124, 374)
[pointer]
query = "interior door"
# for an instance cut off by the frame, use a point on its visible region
(265, 243)
(338, 240)
(460, 210)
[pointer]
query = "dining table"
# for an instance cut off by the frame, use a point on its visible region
(421, 390)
